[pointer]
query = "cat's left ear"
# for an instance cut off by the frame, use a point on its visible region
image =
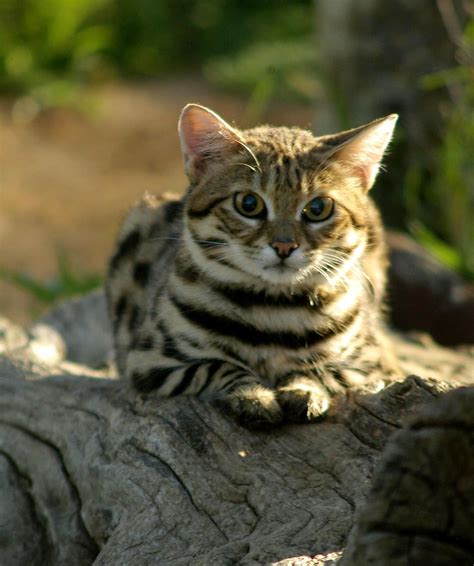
(362, 149)
(205, 139)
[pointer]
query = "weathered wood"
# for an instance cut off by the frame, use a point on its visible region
(90, 472)
(421, 507)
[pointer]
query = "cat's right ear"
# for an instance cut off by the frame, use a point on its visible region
(362, 149)
(205, 138)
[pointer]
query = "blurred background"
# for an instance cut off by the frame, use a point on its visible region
(90, 93)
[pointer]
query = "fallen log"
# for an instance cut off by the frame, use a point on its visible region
(92, 473)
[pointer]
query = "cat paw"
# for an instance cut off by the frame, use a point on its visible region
(254, 406)
(302, 404)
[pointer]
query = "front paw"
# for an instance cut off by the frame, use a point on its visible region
(303, 402)
(254, 406)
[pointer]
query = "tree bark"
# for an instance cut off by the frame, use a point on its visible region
(421, 506)
(92, 473)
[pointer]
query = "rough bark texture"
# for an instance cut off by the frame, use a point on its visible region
(90, 472)
(421, 507)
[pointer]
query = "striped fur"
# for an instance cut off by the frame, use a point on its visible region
(200, 302)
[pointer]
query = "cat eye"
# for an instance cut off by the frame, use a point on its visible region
(250, 204)
(318, 209)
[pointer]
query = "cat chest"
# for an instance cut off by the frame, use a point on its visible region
(270, 339)
(271, 365)
(284, 344)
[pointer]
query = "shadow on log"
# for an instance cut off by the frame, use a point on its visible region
(92, 473)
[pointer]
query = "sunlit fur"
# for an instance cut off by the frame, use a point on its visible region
(203, 305)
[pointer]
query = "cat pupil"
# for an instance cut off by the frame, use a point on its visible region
(316, 206)
(249, 203)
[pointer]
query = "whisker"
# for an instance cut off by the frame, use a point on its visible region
(336, 268)
(250, 152)
(249, 251)
(254, 169)
(354, 267)
(214, 242)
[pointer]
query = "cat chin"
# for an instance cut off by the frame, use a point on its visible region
(283, 275)
(293, 278)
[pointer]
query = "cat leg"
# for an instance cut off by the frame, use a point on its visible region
(303, 399)
(250, 402)
(233, 389)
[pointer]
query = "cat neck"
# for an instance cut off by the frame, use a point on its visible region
(191, 266)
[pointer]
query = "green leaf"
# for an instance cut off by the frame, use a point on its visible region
(446, 254)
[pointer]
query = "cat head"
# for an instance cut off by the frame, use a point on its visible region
(278, 204)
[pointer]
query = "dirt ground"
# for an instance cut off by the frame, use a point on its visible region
(66, 179)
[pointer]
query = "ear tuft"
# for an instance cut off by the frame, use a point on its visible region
(204, 137)
(363, 148)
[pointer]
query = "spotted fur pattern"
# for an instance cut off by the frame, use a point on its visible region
(202, 305)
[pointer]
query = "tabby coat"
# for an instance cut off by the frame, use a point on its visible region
(261, 290)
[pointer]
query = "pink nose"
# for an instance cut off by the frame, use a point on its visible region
(284, 248)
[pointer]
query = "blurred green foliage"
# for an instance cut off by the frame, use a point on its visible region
(67, 283)
(49, 48)
(286, 70)
(440, 205)
(154, 35)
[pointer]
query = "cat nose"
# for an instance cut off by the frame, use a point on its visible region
(284, 247)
